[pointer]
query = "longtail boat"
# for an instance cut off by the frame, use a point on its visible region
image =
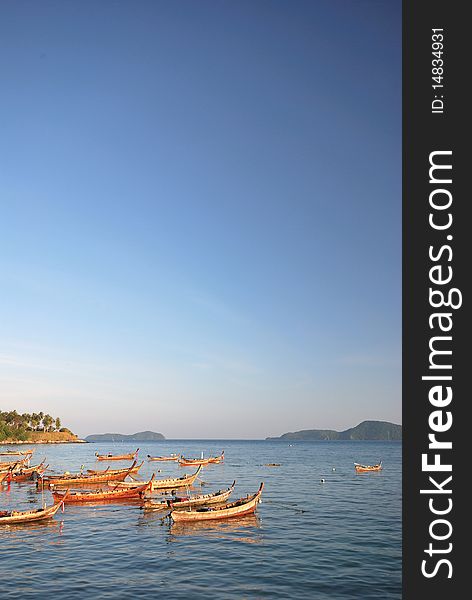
(16, 453)
(367, 468)
(243, 506)
(179, 502)
(82, 479)
(109, 456)
(193, 462)
(114, 495)
(189, 462)
(8, 517)
(11, 464)
(171, 457)
(166, 484)
(4, 466)
(27, 473)
(135, 469)
(218, 459)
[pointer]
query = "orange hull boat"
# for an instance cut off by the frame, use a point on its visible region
(243, 506)
(115, 495)
(81, 479)
(27, 516)
(367, 468)
(131, 456)
(163, 458)
(189, 462)
(186, 502)
(26, 473)
(166, 484)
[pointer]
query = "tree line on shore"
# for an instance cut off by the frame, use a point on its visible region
(19, 426)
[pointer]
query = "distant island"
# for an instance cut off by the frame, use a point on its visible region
(34, 428)
(367, 430)
(142, 436)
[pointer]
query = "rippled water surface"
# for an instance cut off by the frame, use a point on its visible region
(340, 538)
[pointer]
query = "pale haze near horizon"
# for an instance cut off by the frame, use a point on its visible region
(201, 215)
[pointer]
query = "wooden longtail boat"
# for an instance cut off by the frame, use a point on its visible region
(82, 479)
(27, 473)
(10, 517)
(11, 464)
(16, 453)
(194, 462)
(367, 468)
(114, 495)
(171, 457)
(109, 456)
(8, 466)
(218, 459)
(181, 502)
(135, 469)
(189, 462)
(243, 506)
(166, 484)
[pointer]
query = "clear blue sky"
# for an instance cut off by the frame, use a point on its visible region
(200, 221)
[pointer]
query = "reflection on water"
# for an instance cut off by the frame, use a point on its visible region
(151, 518)
(242, 529)
(27, 529)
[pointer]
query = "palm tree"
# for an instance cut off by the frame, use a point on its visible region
(26, 420)
(35, 421)
(47, 422)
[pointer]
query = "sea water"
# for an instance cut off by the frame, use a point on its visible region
(321, 532)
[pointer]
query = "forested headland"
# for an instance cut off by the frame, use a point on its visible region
(28, 427)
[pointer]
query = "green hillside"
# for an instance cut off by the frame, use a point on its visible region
(367, 430)
(26, 427)
(142, 436)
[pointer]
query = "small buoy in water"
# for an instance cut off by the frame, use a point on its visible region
(322, 480)
(334, 468)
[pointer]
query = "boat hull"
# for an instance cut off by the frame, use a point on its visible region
(204, 500)
(168, 484)
(133, 469)
(30, 516)
(27, 473)
(118, 475)
(131, 456)
(17, 453)
(367, 468)
(100, 496)
(14, 464)
(244, 506)
(194, 462)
